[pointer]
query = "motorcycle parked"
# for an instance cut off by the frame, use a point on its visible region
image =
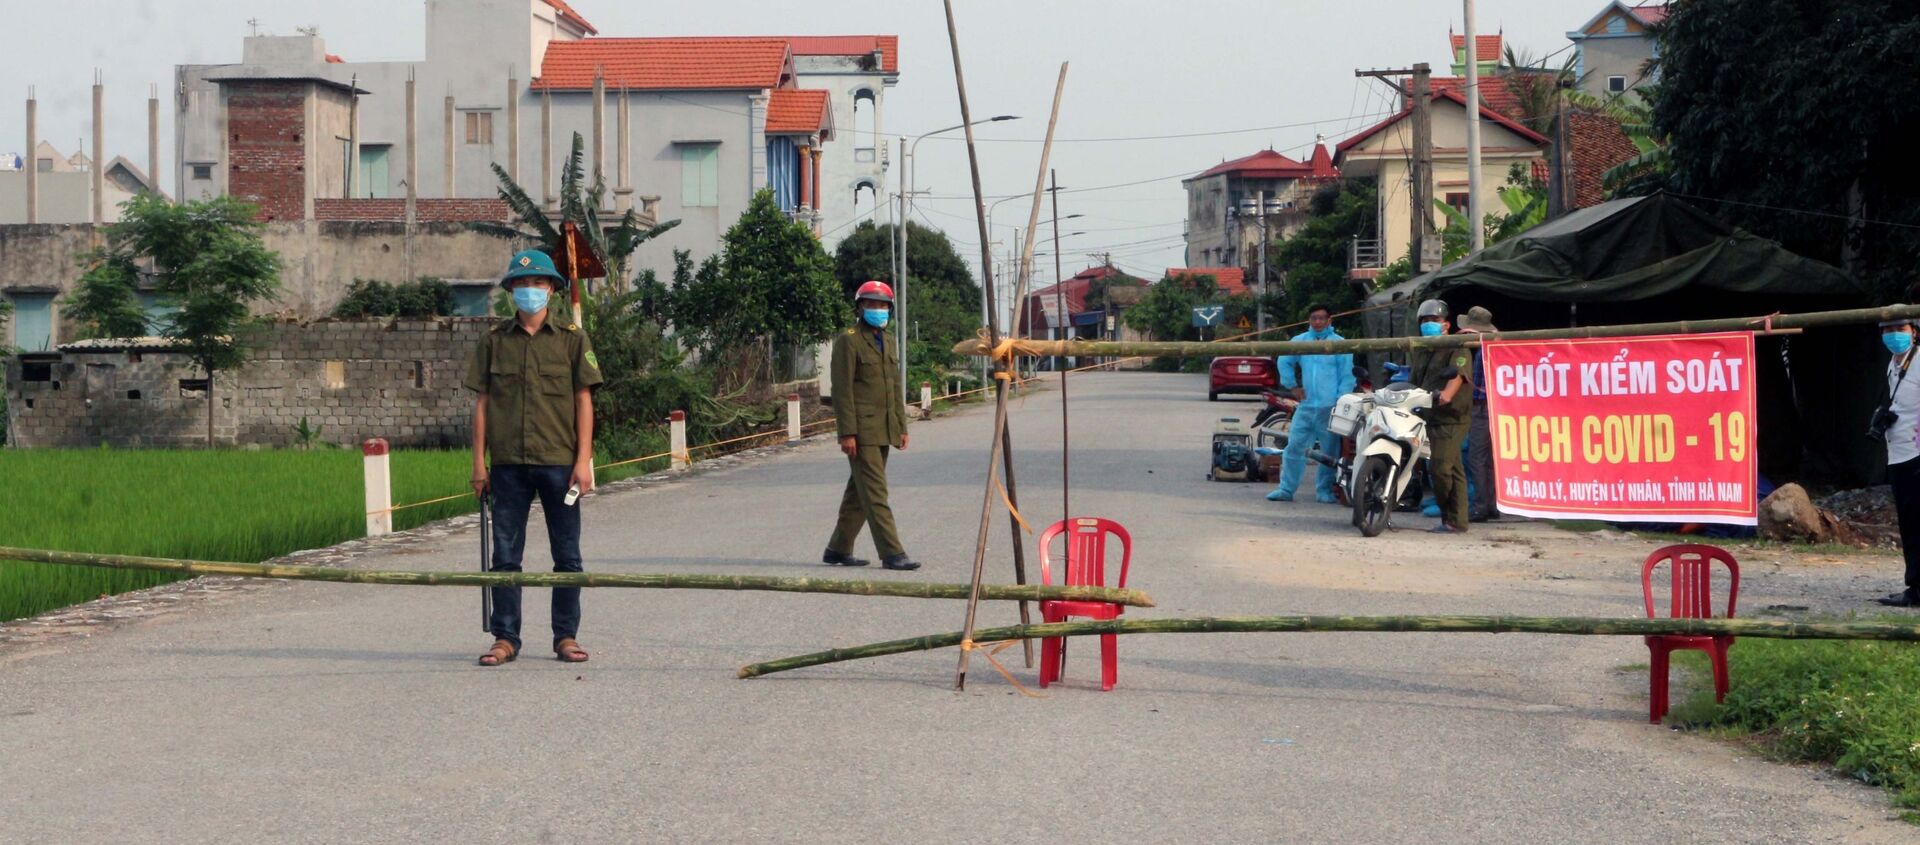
(1388, 430)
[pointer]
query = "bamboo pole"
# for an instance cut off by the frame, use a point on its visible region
(660, 581)
(1589, 626)
(1763, 324)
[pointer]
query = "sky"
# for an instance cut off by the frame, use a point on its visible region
(1232, 76)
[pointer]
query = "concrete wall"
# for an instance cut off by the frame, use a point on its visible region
(852, 157)
(318, 260)
(361, 379)
(1385, 156)
(64, 198)
(1613, 56)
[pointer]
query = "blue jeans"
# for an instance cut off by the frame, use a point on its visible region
(1309, 427)
(514, 487)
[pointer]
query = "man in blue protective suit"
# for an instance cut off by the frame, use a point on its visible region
(1319, 382)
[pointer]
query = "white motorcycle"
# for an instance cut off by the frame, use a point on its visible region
(1389, 430)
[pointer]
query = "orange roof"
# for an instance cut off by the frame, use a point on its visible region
(1487, 47)
(1265, 164)
(1322, 164)
(666, 64)
(888, 46)
(1232, 280)
(1495, 93)
(568, 13)
(796, 111)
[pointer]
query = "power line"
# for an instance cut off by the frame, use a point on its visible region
(1807, 211)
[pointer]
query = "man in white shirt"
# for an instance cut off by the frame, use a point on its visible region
(1902, 434)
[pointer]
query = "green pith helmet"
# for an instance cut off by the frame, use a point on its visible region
(533, 262)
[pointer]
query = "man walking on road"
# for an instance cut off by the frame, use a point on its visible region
(871, 418)
(1447, 374)
(534, 418)
(1480, 433)
(1322, 380)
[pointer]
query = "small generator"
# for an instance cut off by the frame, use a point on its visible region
(1232, 451)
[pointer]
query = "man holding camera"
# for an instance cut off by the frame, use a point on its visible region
(1898, 423)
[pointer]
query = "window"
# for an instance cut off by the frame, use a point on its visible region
(44, 165)
(1458, 201)
(202, 172)
(1616, 84)
(373, 171)
(472, 300)
(33, 321)
(699, 175)
(480, 127)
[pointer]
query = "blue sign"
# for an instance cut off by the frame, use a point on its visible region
(1208, 315)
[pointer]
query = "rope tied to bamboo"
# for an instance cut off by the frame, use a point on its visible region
(1006, 350)
(988, 650)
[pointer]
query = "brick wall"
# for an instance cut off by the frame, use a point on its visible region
(266, 149)
(1595, 144)
(425, 210)
(354, 379)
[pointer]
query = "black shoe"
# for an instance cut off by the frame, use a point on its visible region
(833, 558)
(1444, 528)
(1479, 517)
(1909, 598)
(899, 561)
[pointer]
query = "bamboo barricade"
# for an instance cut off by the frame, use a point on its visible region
(1770, 324)
(1577, 625)
(660, 581)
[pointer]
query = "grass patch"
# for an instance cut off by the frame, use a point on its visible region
(244, 506)
(1851, 705)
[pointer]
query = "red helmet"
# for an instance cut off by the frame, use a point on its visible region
(875, 290)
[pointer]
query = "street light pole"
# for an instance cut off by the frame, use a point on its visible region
(909, 174)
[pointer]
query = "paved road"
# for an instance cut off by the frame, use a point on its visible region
(338, 713)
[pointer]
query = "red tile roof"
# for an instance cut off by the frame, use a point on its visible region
(568, 13)
(666, 64)
(1495, 92)
(1232, 280)
(888, 46)
(335, 60)
(1073, 289)
(1595, 143)
(1322, 164)
(795, 111)
(1265, 164)
(1444, 94)
(1651, 13)
(1487, 46)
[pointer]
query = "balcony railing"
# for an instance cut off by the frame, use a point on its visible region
(1366, 254)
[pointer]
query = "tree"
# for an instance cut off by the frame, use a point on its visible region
(208, 263)
(1165, 312)
(1526, 203)
(943, 300)
(773, 288)
(1794, 119)
(1313, 262)
(579, 205)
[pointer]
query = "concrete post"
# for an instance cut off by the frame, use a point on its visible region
(413, 156)
(599, 127)
(513, 128)
(353, 137)
(450, 149)
(546, 149)
(793, 417)
(926, 398)
(677, 456)
(33, 158)
(99, 149)
(623, 157)
(379, 483)
(153, 136)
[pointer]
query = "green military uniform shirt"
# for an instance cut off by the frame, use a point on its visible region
(866, 389)
(1429, 369)
(529, 381)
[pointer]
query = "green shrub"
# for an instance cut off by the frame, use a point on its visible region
(425, 297)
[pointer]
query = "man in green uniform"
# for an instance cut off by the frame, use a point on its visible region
(871, 417)
(1447, 374)
(534, 418)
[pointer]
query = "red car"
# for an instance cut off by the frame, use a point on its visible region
(1240, 374)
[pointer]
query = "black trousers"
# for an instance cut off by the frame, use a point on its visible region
(1905, 477)
(1480, 465)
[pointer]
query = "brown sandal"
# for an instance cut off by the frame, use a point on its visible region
(502, 652)
(568, 651)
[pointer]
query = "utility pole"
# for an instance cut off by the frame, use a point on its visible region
(1477, 238)
(1260, 306)
(1420, 93)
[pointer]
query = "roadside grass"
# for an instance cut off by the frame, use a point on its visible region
(1852, 705)
(244, 506)
(1588, 526)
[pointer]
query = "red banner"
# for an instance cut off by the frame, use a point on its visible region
(1630, 429)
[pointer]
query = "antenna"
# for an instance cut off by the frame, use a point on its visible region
(253, 26)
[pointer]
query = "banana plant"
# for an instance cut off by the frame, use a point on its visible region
(580, 204)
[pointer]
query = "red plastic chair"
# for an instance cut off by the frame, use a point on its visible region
(1692, 598)
(1086, 567)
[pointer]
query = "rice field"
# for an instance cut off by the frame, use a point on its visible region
(245, 506)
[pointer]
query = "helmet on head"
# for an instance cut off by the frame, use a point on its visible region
(1894, 324)
(880, 291)
(532, 262)
(1433, 308)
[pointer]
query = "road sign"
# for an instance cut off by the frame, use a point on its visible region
(1208, 315)
(1244, 324)
(1050, 311)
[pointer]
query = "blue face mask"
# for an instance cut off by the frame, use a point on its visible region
(1432, 329)
(876, 317)
(529, 299)
(1321, 334)
(1897, 342)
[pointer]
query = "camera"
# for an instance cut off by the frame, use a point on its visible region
(1883, 419)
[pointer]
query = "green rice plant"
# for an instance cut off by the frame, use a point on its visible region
(1850, 705)
(244, 506)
